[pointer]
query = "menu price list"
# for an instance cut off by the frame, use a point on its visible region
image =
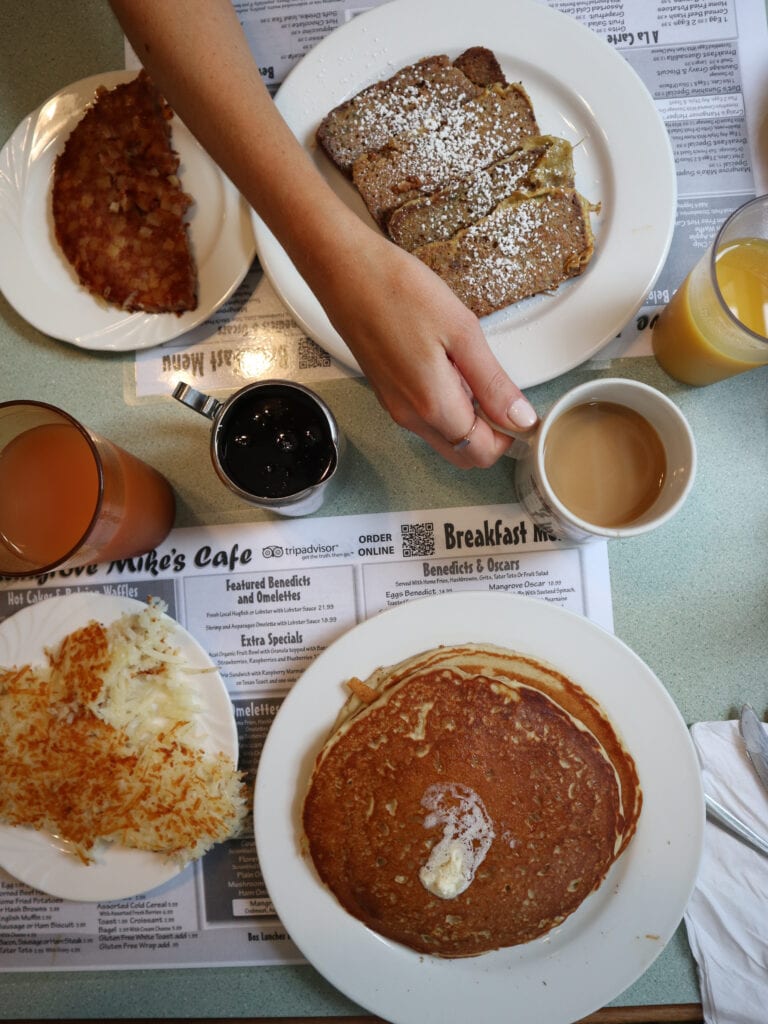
(264, 600)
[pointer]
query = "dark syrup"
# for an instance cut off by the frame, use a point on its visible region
(275, 442)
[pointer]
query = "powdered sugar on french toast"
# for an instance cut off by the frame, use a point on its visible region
(469, 137)
(520, 249)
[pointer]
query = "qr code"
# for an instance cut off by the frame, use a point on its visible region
(418, 539)
(311, 355)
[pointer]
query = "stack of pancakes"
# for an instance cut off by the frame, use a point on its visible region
(450, 162)
(467, 799)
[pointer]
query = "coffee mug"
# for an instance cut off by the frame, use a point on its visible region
(612, 458)
(274, 443)
(69, 497)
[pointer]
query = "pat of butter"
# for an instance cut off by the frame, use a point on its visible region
(448, 871)
(467, 837)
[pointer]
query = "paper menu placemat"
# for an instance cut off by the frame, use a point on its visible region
(264, 600)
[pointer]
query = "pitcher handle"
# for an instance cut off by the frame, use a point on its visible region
(206, 405)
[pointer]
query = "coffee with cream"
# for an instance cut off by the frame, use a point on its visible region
(605, 462)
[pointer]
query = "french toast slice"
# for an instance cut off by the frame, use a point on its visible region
(468, 137)
(470, 185)
(539, 162)
(523, 247)
(481, 66)
(416, 95)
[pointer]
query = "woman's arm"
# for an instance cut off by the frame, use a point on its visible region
(422, 351)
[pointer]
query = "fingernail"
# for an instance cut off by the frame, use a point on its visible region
(522, 414)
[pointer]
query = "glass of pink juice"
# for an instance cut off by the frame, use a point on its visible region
(716, 324)
(69, 497)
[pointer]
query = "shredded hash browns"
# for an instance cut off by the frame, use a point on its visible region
(100, 745)
(118, 207)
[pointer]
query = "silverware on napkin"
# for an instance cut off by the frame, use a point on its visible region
(756, 742)
(719, 814)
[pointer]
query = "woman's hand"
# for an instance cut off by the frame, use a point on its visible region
(421, 349)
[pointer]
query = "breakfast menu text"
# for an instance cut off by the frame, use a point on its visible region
(264, 600)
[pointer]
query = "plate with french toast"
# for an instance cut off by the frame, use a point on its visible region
(497, 143)
(125, 233)
(456, 814)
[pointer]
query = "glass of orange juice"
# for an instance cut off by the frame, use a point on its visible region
(69, 497)
(716, 324)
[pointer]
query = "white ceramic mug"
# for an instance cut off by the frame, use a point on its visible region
(534, 487)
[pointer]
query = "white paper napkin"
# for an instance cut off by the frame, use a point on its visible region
(727, 917)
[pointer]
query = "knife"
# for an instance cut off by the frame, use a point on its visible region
(724, 817)
(756, 742)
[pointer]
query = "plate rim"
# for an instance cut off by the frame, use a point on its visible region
(120, 331)
(289, 878)
(361, 32)
(83, 606)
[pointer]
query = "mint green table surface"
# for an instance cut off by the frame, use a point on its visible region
(691, 599)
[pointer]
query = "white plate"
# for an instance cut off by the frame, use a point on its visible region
(581, 90)
(613, 936)
(39, 282)
(35, 857)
